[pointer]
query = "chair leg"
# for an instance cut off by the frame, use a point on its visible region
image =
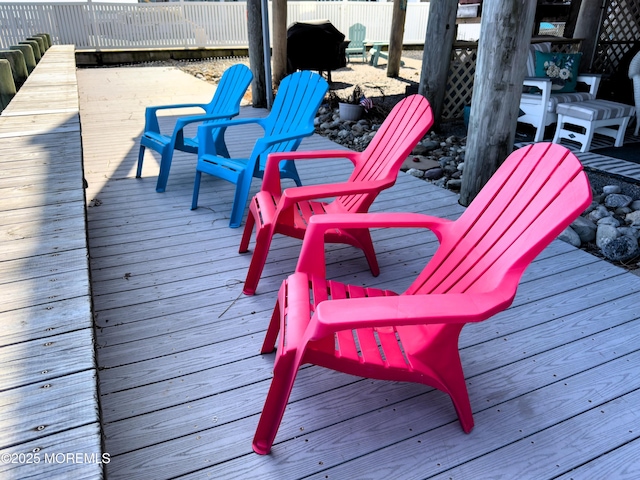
(269, 343)
(441, 368)
(140, 160)
(296, 178)
(246, 234)
(460, 398)
(622, 129)
(196, 190)
(366, 244)
(450, 373)
(556, 135)
(586, 145)
(539, 136)
(284, 374)
(288, 170)
(165, 166)
(264, 234)
(240, 199)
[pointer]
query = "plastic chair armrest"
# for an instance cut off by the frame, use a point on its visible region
(535, 81)
(312, 254)
(309, 192)
(379, 220)
(265, 142)
(155, 108)
(207, 129)
(184, 121)
(335, 315)
(543, 84)
(313, 155)
(271, 179)
(151, 114)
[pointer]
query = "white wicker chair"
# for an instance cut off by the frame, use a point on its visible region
(539, 109)
(634, 74)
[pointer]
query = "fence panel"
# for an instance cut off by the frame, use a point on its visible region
(18, 21)
(188, 24)
(375, 16)
(217, 24)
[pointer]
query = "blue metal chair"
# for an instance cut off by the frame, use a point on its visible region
(290, 120)
(224, 105)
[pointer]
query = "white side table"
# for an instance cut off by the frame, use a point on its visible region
(594, 116)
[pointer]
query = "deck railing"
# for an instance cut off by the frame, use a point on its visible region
(186, 24)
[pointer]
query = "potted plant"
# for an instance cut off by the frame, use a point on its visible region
(351, 108)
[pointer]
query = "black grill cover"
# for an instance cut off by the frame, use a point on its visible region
(315, 45)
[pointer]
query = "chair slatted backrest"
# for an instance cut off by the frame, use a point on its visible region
(229, 92)
(405, 126)
(357, 33)
(532, 197)
(294, 108)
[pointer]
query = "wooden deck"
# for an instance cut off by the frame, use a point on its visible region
(48, 375)
(553, 380)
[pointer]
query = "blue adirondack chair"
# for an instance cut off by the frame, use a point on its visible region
(224, 105)
(356, 47)
(290, 120)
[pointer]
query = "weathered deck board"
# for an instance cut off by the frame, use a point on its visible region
(84, 439)
(63, 398)
(621, 460)
(48, 378)
(182, 383)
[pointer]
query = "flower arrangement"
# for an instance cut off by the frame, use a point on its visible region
(560, 69)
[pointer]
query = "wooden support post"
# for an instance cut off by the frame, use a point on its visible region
(45, 40)
(7, 85)
(46, 37)
(397, 35)
(18, 65)
(256, 57)
(41, 43)
(587, 27)
(436, 56)
(570, 25)
(29, 58)
(500, 71)
(279, 40)
(36, 48)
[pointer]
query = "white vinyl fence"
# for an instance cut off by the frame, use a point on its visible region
(188, 24)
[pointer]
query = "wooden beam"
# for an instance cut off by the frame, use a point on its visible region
(436, 56)
(570, 25)
(587, 26)
(500, 71)
(397, 34)
(279, 40)
(256, 58)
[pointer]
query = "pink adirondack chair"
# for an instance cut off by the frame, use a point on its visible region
(413, 336)
(274, 211)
